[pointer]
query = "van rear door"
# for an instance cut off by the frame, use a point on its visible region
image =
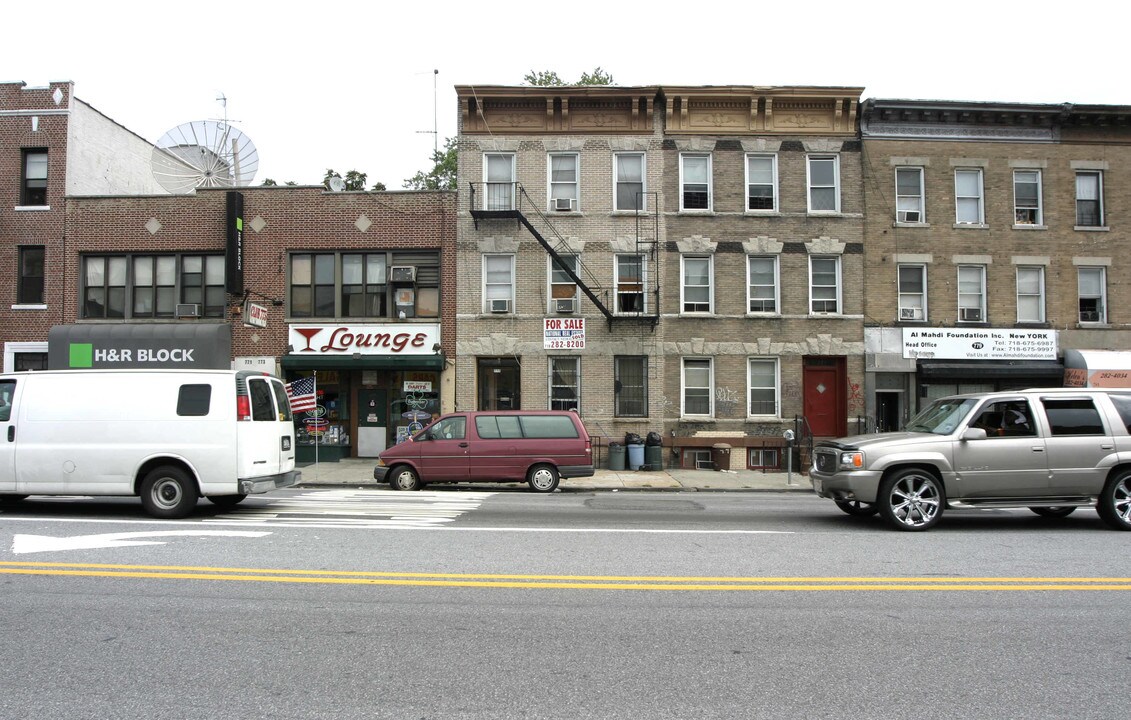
(8, 406)
(265, 432)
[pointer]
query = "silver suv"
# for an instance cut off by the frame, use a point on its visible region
(1051, 450)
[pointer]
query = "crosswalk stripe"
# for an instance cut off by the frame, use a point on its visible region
(358, 508)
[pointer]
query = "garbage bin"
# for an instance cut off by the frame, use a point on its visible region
(653, 457)
(635, 457)
(616, 456)
(720, 456)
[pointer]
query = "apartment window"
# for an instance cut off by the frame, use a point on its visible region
(565, 383)
(762, 384)
(499, 181)
(498, 283)
(1089, 199)
(971, 293)
(824, 284)
(1030, 294)
(1093, 294)
(761, 182)
(695, 182)
(30, 290)
(629, 181)
(564, 193)
(696, 287)
(630, 386)
(563, 290)
(824, 183)
(762, 284)
(909, 195)
(1027, 197)
(137, 286)
(968, 197)
(698, 393)
(762, 458)
(33, 190)
(630, 283)
(912, 292)
(365, 285)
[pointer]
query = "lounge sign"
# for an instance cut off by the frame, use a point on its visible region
(330, 339)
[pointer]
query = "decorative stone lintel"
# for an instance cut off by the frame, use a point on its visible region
(498, 245)
(762, 245)
(696, 244)
(825, 245)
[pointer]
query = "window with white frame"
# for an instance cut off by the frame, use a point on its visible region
(563, 290)
(824, 284)
(630, 386)
(698, 387)
(1089, 199)
(971, 293)
(628, 181)
(33, 190)
(969, 207)
(824, 183)
(762, 387)
(565, 383)
(912, 292)
(695, 182)
(1093, 294)
(499, 181)
(1030, 294)
(498, 283)
(563, 181)
(695, 290)
(909, 195)
(761, 182)
(759, 458)
(630, 283)
(762, 284)
(1027, 197)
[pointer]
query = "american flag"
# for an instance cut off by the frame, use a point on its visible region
(301, 394)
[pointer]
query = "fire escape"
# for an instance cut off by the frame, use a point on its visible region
(632, 301)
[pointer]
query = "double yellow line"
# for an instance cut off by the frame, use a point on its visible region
(566, 582)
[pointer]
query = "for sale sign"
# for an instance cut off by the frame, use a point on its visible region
(564, 334)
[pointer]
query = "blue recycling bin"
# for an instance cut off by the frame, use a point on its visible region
(635, 457)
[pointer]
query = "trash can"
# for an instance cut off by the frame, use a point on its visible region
(616, 456)
(720, 456)
(635, 457)
(653, 457)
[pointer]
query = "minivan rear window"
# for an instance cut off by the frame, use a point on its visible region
(493, 427)
(194, 400)
(548, 426)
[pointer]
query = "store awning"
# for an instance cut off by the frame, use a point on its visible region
(189, 345)
(1097, 368)
(363, 362)
(991, 369)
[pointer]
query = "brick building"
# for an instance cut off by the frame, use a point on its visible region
(996, 243)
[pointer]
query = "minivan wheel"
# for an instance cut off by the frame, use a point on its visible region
(168, 492)
(911, 499)
(1114, 505)
(542, 478)
(857, 508)
(1054, 512)
(404, 478)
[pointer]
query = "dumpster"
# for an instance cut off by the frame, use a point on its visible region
(720, 456)
(635, 457)
(616, 456)
(653, 457)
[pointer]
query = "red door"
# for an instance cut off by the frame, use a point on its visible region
(824, 387)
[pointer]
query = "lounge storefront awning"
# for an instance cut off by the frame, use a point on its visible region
(136, 345)
(1097, 368)
(363, 362)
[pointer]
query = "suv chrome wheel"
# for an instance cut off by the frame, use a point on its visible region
(1114, 505)
(911, 499)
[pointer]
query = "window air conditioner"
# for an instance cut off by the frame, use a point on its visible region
(563, 203)
(500, 306)
(970, 314)
(566, 305)
(188, 310)
(402, 273)
(911, 313)
(908, 216)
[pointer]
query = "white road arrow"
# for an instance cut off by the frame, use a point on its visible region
(46, 543)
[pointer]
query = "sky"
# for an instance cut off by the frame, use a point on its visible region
(369, 86)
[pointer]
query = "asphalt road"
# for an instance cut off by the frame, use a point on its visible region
(459, 604)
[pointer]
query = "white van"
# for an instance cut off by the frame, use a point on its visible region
(169, 436)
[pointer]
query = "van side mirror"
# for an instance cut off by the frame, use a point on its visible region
(974, 434)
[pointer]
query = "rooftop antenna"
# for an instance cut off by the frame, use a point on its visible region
(435, 131)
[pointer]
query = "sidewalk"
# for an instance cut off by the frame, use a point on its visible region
(358, 472)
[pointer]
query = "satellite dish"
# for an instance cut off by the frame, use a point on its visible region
(336, 184)
(204, 153)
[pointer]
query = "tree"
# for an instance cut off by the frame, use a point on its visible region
(442, 176)
(549, 78)
(353, 180)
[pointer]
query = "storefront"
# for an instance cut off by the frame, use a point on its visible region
(182, 346)
(372, 385)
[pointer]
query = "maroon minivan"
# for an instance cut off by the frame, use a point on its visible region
(538, 446)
